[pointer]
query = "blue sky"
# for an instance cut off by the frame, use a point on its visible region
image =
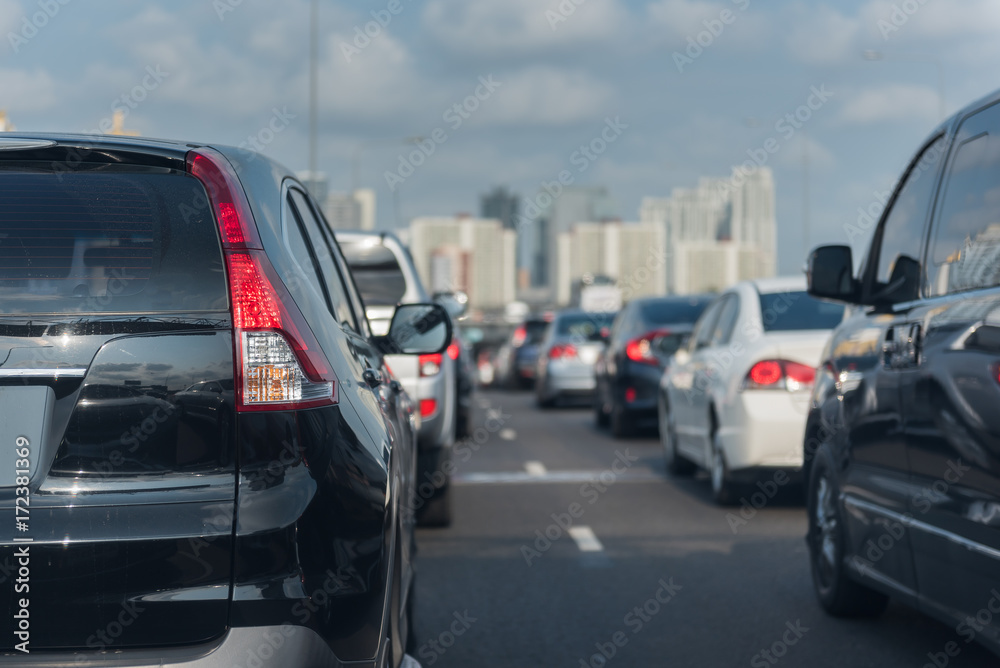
(224, 73)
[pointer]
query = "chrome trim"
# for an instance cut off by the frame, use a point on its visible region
(908, 520)
(862, 568)
(43, 373)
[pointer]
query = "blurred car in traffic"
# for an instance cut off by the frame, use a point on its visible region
(903, 438)
(644, 335)
(205, 423)
(386, 277)
(734, 400)
(566, 356)
(517, 358)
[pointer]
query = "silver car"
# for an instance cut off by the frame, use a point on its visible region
(566, 356)
(385, 276)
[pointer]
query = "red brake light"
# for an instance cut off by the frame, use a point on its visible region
(430, 365)
(766, 373)
(630, 394)
(453, 351)
(640, 349)
(779, 374)
(519, 337)
(562, 350)
(428, 407)
(800, 373)
(279, 362)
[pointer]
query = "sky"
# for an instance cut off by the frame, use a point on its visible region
(690, 88)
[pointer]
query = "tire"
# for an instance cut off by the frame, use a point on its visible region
(724, 490)
(437, 511)
(838, 594)
(676, 464)
(621, 427)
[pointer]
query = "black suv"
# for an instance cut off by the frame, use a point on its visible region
(903, 438)
(203, 458)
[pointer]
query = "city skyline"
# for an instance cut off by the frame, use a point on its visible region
(239, 77)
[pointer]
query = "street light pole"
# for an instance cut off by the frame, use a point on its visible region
(313, 84)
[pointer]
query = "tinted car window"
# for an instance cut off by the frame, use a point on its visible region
(903, 230)
(674, 310)
(107, 241)
(376, 272)
(340, 302)
(789, 311)
(583, 325)
(965, 252)
(534, 331)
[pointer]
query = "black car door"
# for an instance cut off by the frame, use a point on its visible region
(950, 384)
(877, 486)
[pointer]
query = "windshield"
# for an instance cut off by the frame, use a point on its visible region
(376, 271)
(787, 311)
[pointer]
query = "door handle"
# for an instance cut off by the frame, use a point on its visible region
(372, 378)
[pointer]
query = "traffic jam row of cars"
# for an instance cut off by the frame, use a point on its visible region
(873, 386)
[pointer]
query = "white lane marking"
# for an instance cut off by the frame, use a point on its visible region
(535, 468)
(585, 539)
(508, 434)
(518, 477)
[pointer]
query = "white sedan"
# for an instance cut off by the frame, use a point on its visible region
(734, 401)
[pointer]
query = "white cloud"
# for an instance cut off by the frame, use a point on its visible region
(492, 28)
(26, 91)
(547, 96)
(896, 102)
(824, 36)
(678, 21)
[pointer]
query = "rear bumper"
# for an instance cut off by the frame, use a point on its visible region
(764, 429)
(568, 378)
(261, 646)
(644, 379)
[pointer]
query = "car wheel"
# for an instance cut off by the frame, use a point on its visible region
(675, 463)
(723, 489)
(437, 511)
(837, 592)
(621, 426)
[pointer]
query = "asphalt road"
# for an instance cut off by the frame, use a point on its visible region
(569, 546)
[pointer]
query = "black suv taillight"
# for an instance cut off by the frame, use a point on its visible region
(279, 363)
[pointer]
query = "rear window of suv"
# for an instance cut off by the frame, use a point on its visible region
(792, 311)
(376, 272)
(107, 241)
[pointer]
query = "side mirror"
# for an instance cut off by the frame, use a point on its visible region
(417, 329)
(830, 274)
(456, 303)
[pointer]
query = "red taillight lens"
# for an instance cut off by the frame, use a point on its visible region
(766, 373)
(452, 351)
(640, 349)
(779, 374)
(630, 394)
(430, 365)
(428, 407)
(279, 362)
(519, 336)
(800, 374)
(562, 351)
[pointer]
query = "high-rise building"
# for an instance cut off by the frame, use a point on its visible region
(502, 205)
(630, 254)
(351, 211)
(474, 255)
(557, 212)
(719, 232)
